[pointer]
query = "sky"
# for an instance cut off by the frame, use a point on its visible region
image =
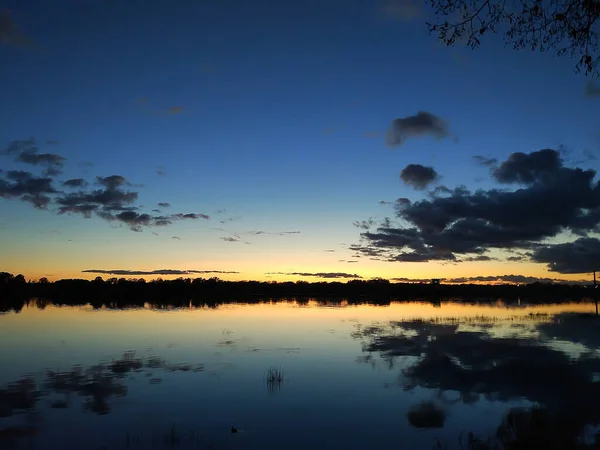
(273, 140)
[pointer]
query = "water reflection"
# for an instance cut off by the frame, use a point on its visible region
(463, 364)
(488, 375)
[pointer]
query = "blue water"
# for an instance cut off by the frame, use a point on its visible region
(337, 391)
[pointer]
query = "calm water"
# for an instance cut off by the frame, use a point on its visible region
(350, 375)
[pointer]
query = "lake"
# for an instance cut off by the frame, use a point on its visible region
(407, 375)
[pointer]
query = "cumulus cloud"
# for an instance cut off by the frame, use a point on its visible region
(26, 187)
(110, 198)
(27, 151)
(421, 124)
(580, 256)
(75, 183)
(418, 176)
(459, 225)
(317, 274)
(155, 272)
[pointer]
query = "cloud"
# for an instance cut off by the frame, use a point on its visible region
(317, 274)
(402, 10)
(164, 204)
(421, 124)
(549, 199)
(230, 219)
(115, 204)
(27, 151)
(155, 272)
(485, 161)
(364, 224)
(110, 198)
(493, 279)
(418, 176)
(580, 256)
(277, 233)
(231, 239)
(191, 216)
(177, 238)
(27, 187)
(592, 90)
(530, 168)
(329, 251)
(10, 33)
(75, 183)
(155, 233)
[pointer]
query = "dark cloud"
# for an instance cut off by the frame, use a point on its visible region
(230, 219)
(164, 204)
(418, 176)
(177, 238)
(592, 90)
(478, 258)
(421, 124)
(317, 274)
(75, 183)
(276, 233)
(364, 224)
(550, 199)
(10, 33)
(154, 272)
(485, 161)
(580, 256)
(542, 166)
(27, 151)
(191, 216)
(27, 187)
(231, 239)
(511, 279)
(52, 161)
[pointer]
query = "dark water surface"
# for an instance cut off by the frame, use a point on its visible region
(292, 376)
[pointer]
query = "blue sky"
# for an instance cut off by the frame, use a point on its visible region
(274, 111)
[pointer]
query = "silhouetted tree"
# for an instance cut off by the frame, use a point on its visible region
(561, 26)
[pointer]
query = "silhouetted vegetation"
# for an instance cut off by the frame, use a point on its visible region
(274, 378)
(117, 293)
(564, 27)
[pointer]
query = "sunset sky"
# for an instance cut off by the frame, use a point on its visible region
(270, 140)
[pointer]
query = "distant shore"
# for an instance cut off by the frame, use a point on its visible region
(14, 291)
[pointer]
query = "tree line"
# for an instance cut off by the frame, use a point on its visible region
(15, 292)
